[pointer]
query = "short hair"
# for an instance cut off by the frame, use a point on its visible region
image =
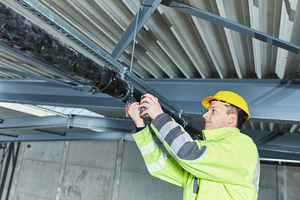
(241, 115)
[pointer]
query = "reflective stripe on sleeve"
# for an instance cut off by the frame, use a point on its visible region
(256, 175)
(164, 131)
(149, 148)
(179, 142)
(159, 164)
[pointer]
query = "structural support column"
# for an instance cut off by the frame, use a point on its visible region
(62, 170)
(117, 179)
(17, 163)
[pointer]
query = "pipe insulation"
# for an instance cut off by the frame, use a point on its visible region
(28, 38)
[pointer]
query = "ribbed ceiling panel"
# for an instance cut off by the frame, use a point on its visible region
(176, 45)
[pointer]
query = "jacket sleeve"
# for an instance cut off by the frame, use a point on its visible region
(158, 163)
(210, 160)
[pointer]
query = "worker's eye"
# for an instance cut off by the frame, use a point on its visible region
(213, 110)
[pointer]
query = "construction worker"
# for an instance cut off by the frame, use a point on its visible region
(224, 165)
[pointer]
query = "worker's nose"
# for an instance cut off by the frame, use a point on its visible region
(205, 115)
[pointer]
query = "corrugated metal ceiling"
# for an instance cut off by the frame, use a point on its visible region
(203, 50)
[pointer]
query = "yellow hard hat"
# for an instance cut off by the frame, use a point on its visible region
(229, 97)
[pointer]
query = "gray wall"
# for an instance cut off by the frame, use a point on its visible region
(108, 170)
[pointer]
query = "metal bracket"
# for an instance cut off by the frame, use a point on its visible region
(130, 88)
(185, 123)
(91, 90)
(71, 121)
(141, 5)
(123, 73)
(180, 113)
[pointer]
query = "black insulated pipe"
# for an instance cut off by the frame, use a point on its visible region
(26, 37)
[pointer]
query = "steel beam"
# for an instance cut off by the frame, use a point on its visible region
(111, 124)
(34, 123)
(275, 150)
(88, 122)
(280, 161)
(148, 7)
(202, 14)
(28, 91)
(272, 101)
(271, 145)
(69, 137)
(276, 145)
(269, 100)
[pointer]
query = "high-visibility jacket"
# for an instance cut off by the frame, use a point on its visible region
(225, 165)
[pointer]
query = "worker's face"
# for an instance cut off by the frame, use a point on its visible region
(216, 116)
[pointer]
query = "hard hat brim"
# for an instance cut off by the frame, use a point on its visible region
(206, 101)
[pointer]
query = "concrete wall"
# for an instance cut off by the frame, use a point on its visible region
(279, 182)
(109, 170)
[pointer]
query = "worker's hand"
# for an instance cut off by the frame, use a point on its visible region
(134, 113)
(152, 105)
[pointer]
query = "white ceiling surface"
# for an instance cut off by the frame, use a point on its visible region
(176, 45)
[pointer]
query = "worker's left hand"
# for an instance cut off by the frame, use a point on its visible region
(152, 105)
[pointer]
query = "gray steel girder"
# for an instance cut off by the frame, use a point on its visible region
(88, 122)
(273, 101)
(69, 136)
(283, 146)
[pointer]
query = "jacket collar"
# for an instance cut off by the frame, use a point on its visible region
(217, 133)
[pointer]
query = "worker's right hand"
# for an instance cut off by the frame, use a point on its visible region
(134, 113)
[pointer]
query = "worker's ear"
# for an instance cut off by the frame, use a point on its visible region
(232, 118)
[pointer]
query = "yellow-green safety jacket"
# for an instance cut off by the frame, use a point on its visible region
(225, 165)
